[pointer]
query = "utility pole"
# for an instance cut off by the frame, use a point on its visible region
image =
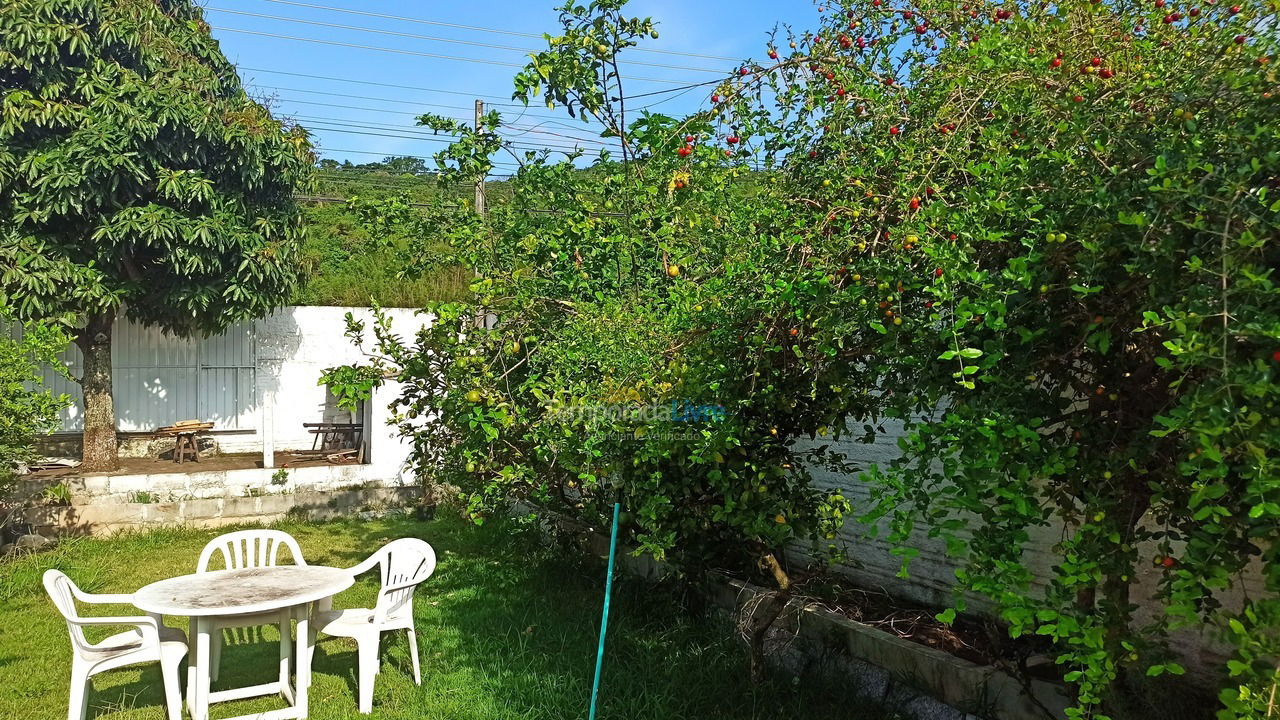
(479, 180)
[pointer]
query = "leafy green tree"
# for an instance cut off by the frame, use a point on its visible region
(27, 408)
(136, 174)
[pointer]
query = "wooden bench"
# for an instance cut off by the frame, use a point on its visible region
(335, 442)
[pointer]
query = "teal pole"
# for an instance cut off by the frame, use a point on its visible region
(604, 616)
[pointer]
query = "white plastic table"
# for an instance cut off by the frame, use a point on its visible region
(203, 596)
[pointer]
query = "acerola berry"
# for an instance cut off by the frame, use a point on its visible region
(1275, 356)
(907, 14)
(743, 71)
(894, 130)
(921, 29)
(937, 273)
(715, 98)
(773, 54)
(813, 153)
(1194, 12)
(794, 332)
(915, 203)
(1240, 39)
(1168, 562)
(1235, 9)
(1106, 73)
(688, 138)
(1078, 99)
(1096, 61)
(732, 139)
(684, 151)
(1056, 62)
(1159, 3)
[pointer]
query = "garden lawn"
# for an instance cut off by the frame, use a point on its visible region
(507, 629)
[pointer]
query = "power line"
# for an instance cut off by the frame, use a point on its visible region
(371, 82)
(414, 53)
(555, 147)
(476, 28)
(414, 103)
(400, 154)
(412, 130)
(432, 38)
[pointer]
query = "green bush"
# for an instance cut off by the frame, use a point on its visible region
(1043, 237)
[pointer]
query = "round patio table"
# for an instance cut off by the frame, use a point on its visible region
(279, 588)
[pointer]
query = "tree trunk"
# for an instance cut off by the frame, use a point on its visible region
(765, 614)
(99, 452)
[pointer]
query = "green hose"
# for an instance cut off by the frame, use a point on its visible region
(604, 616)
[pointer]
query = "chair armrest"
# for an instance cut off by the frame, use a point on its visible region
(102, 598)
(365, 566)
(142, 621)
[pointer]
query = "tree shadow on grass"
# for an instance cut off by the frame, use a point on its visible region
(518, 622)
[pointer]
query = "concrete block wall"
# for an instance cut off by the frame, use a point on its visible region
(931, 577)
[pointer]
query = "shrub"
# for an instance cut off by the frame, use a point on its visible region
(1043, 237)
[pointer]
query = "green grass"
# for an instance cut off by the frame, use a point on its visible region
(507, 630)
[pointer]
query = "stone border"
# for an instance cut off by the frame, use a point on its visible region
(920, 681)
(109, 517)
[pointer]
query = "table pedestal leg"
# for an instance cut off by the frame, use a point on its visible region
(306, 644)
(286, 651)
(191, 666)
(201, 699)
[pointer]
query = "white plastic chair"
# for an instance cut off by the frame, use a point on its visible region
(405, 564)
(250, 549)
(150, 641)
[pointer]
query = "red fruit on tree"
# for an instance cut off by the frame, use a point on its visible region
(1106, 73)
(1077, 99)
(1194, 12)
(937, 273)
(921, 29)
(1056, 62)
(732, 139)
(894, 130)
(1168, 562)
(915, 203)
(907, 14)
(1095, 61)
(1276, 356)
(684, 151)
(688, 138)
(773, 54)
(1240, 39)
(743, 71)
(1235, 9)
(715, 98)
(813, 153)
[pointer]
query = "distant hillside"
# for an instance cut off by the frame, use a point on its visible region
(343, 263)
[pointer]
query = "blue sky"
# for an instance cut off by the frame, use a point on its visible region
(333, 88)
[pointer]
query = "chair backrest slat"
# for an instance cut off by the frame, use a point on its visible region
(249, 549)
